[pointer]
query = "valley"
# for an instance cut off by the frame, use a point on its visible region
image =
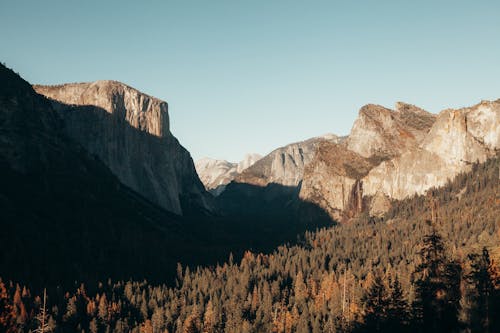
(106, 210)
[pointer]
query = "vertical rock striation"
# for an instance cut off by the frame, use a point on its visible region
(457, 139)
(129, 131)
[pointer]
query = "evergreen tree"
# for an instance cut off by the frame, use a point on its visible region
(376, 302)
(483, 309)
(397, 311)
(436, 305)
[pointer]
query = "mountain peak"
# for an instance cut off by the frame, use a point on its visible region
(129, 131)
(140, 110)
(216, 174)
(379, 131)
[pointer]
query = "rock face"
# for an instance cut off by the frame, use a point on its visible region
(272, 184)
(399, 153)
(285, 165)
(332, 179)
(129, 131)
(457, 139)
(381, 132)
(53, 192)
(216, 174)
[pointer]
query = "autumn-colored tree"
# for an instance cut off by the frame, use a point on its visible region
(192, 323)
(147, 327)
(19, 309)
(6, 310)
(300, 288)
(209, 320)
(102, 311)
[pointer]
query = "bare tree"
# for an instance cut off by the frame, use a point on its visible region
(43, 317)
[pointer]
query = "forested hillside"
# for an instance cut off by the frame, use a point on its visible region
(429, 265)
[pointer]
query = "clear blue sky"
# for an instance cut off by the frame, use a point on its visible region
(249, 76)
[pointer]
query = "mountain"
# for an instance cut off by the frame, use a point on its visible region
(284, 166)
(65, 215)
(332, 180)
(389, 154)
(400, 153)
(129, 132)
(457, 139)
(270, 187)
(216, 174)
(380, 132)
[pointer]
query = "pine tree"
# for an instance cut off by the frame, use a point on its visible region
(437, 288)
(376, 302)
(483, 292)
(397, 312)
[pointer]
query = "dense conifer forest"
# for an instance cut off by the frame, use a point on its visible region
(429, 265)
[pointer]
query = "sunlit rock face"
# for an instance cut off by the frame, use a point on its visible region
(399, 153)
(216, 174)
(332, 180)
(129, 131)
(284, 166)
(457, 139)
(381, 132)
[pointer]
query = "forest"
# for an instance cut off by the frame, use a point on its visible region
(429, 265)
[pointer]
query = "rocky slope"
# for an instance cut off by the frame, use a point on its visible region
(216, 174)
(334, 180)
(457, 139)
(65, 216)
(284, 166)
(272, 184)
(399, 153)
(383, 133)
(129, 131)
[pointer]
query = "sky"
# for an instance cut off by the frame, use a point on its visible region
(250, 76)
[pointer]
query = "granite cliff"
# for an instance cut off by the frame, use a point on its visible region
(129, 131)
(285, 165)
(399, 153)
(334, 180)
(383, 133)
(273, 182)
(65, 215)
(457, 139)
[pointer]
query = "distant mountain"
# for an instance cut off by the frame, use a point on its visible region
(130, 132)
(216, 174)
(285, 165)
(270, 187)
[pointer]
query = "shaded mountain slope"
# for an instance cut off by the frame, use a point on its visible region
(64, 214)
(130, 133)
